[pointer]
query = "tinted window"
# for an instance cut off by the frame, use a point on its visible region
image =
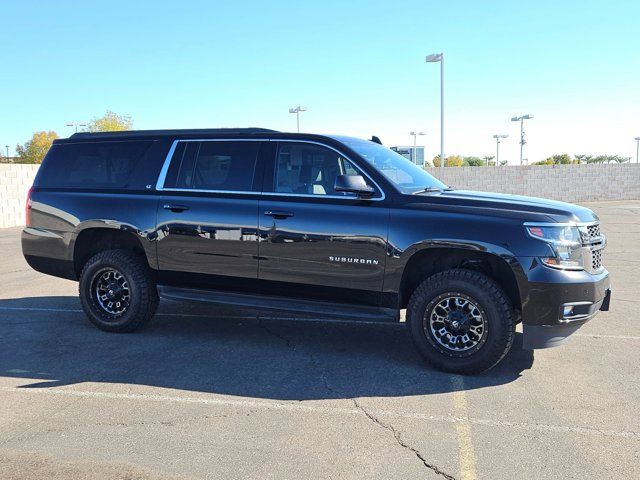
(403, 173)
(92, 165)
(213, 166)
(309, 169)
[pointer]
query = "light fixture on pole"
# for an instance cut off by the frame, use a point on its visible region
(498, 137)
(297, 111)
(637, 139)
(434, 58)
(76, 124)
(414, 153)
(521, 119)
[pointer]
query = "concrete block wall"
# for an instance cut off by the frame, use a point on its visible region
(569, 183)
(15, 181)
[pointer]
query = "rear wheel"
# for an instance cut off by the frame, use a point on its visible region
(117, 292)
(461, 321)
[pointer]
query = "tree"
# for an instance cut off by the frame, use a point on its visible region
(110, 122)
(472, 161)
(561, 159)
(548, 161)
(584, 158)
(608, 159)
(35, 149)
(452, 161)
(488, 160)
(619, 159)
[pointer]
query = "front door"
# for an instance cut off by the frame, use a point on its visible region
(317, 243)
(208, 215)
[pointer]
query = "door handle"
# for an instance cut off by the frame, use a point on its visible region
(279, 214)
(176, 208)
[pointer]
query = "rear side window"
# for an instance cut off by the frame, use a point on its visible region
(92, 165)
(224, 166)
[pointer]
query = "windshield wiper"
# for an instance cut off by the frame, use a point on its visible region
(427, 190)
(432, 189)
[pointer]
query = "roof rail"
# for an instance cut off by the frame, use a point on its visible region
(189, 131)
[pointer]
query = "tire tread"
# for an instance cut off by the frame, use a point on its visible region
(505, 324)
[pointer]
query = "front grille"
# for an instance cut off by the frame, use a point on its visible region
(593, 230)
(594, 242)
(596, 260)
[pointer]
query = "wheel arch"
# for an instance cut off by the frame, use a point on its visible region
(429, 261)
(92, 240)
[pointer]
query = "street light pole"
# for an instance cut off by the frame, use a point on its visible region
(521, 119)
(76, 124)
(433, 58)
(637, 139)
(498, 137)
(414, 153)
(7, 147)
(297, 111)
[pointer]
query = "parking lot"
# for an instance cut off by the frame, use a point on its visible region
(205, 392)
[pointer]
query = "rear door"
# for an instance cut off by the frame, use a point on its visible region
(317, 243)
(208, 214)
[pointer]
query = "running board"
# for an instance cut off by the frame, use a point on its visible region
(281, 304)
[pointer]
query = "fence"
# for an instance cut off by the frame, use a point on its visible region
(571, 183)
(15, 181)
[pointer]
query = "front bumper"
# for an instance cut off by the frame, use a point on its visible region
(558, 302)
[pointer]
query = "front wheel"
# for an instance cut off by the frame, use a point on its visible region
(461, 321)
(117, 292)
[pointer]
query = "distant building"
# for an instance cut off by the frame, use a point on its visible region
(416, 155)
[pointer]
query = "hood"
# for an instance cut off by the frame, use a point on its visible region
(502, 205)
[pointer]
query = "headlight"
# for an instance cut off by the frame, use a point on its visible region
(566, 243)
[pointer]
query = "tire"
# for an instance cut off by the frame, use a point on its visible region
(439, 333)
(117, 292)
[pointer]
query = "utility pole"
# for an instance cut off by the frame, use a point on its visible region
(521, 119)
(76, 124)
(498, 137)
(297, 111)
(434, 58)
(414, 153)
(637, 139)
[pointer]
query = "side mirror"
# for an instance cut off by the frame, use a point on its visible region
(353, 184)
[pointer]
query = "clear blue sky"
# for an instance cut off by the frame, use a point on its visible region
(357, 65)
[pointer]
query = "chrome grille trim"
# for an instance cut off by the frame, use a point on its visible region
(593, 242)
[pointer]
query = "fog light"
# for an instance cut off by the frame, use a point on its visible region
(567, 311)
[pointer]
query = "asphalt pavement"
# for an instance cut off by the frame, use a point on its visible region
(207, 392)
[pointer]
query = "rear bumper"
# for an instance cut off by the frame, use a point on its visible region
(559, 302)
(46, 252)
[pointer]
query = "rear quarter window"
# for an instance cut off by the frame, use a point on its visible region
(94, 165)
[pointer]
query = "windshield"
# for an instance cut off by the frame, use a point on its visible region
(404, 174)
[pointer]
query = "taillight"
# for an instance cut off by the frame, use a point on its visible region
(27, 209)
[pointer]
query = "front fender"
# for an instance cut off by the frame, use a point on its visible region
(414, 231)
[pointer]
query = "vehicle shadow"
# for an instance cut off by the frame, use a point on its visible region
(48, 342)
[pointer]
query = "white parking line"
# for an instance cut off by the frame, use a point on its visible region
(301, 407)
(614, 337)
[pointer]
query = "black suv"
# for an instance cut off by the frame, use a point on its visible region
(325, 225)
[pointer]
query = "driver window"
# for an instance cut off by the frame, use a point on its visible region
(309, 169)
